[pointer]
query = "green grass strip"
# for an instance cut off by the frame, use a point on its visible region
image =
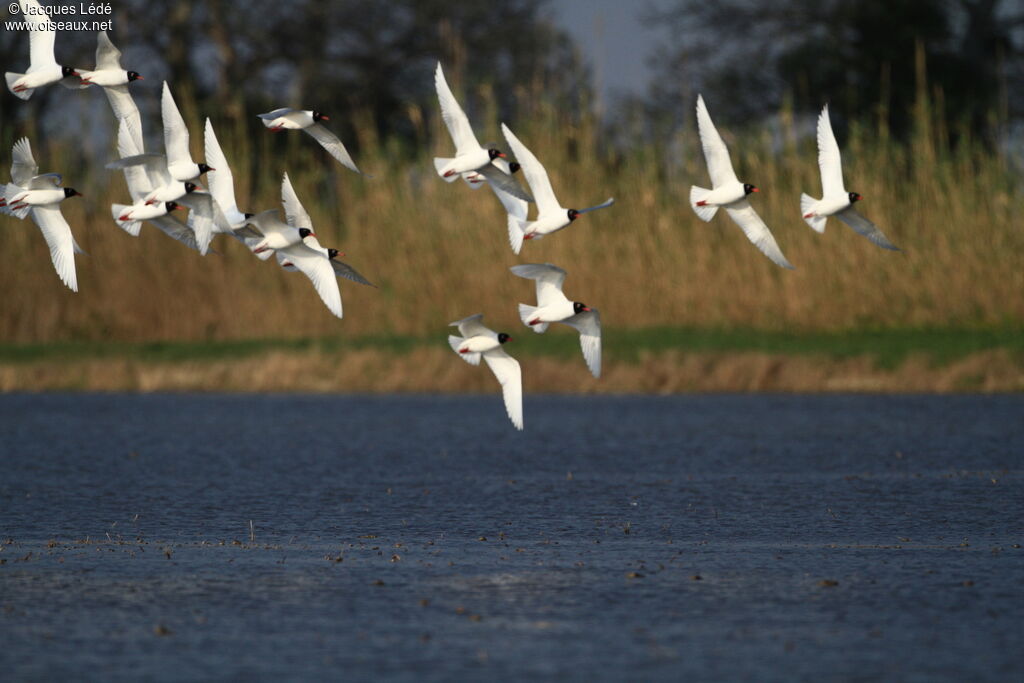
(888, 347)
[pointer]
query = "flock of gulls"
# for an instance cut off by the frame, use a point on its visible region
(160, 184)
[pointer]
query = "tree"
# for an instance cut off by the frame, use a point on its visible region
(750, 54)
(346, 55)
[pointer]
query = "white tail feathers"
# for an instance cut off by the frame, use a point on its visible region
(705, 213)
(816, 222)
(251, 242)
(516, 233)
(526, 314)
(12, 78)
(439, 164)
(455, 343)
(11, 191)
(130, 227)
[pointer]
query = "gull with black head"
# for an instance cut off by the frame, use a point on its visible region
(836, 200)
(479, 341)
(728, 192)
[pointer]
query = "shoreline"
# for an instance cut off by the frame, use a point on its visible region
(435, 370)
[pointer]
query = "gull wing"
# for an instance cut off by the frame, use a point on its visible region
(536, 176)
(107, 56)
(346, 271)
(296, 214)
(125, 109)
(40, 38)
(588, 324)
(154, 166)
(549, 281)
(271, 115)
(332, 144)
(500, 179)
(219, 177)
(829, 160)
(608, 202)
(23, 165)
(200, 218)
(865, 227)
(743, 214)
(715, 152)
(175, 229)
(456, 120)
(472, 326)
(510, 376)
(135, 176)
(57, 234)
(175, 132)
(318, 269)
(46, 181)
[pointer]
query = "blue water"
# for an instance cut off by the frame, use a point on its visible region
(421, 538)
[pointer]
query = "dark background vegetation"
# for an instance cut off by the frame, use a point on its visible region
(368, 61)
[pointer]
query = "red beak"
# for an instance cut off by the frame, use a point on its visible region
(756, 190)
(502, 155)
(139, 78)
(324, 118)
(586, 309)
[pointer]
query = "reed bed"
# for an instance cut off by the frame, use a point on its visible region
(440, 252)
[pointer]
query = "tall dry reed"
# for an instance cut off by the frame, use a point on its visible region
(440, 252)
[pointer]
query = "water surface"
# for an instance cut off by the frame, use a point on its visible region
(422, 538)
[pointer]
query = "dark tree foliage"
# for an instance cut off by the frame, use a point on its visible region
(342, 57)
(747, 55)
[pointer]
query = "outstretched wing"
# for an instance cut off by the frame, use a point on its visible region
(200, 218)
(349, 273)
(175, 131)
(510, 376)
(458, 125)
(588, 324)
(125, 109)
(536, 176)
(332, 144)
(472, 326)
(499, 179)
(46, 181)
(107, 56)
(135, 176)
(277, 113)
(754, 228)
(608, 202)
(318, 269)
(549, 281)
(222, 183)
(175, 229)
(57, 234)
(715, 152)
(865, 227)
(829, 160)
(23, 165)
(293, 209)
(41, 36)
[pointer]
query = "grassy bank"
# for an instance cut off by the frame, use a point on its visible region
(661, 360)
